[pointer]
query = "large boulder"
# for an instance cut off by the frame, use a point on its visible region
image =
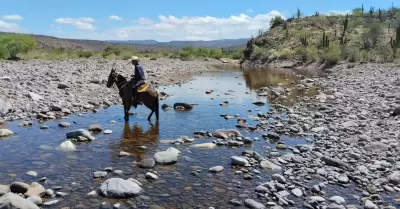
(5, 107)
(182, 106)
(80, 132)
(14, 201)
(4, 189)
(5, 132)
(119, 188)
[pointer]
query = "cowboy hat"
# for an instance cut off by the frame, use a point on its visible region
(134, 58)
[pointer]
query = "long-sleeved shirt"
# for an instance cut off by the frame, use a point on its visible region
(139, 75)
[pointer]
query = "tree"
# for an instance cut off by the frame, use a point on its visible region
(13, 44)
(276, 21)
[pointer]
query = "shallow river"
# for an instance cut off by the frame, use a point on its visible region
(32, 148)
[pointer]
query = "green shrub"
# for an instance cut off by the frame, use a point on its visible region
(332, 55)
(3, 53)
(351, 53)
(84, 54)
(307, 53)
(14, 44)
(284, 54)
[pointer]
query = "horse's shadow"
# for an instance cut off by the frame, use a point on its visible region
(137, 141)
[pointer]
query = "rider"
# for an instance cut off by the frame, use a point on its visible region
(139, 75)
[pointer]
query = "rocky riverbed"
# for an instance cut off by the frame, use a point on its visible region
(336, 149)
(355, 145)
(58, 88)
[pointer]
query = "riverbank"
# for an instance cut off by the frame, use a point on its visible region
(355, 144)
(32, 87)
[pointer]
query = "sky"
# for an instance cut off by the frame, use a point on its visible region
(160, 20)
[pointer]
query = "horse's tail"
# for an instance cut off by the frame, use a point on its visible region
(157, 106)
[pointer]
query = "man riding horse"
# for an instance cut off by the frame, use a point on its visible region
(139, 77)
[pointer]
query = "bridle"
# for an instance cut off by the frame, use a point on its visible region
(123, 84)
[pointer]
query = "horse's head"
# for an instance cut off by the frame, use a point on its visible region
(112, 78)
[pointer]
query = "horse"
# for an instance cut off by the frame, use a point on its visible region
(149, 97)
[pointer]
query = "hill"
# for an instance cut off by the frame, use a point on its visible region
(52, 42)
(362, 36)
(180, 44)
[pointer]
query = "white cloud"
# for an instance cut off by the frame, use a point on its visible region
(249, 11)
(12, 17)
(115, 17)
(83, 23)
(144, 21)
(9, 27)
(195, 28)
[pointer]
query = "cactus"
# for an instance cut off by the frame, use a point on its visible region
(345, 26)
(371, 12)
(325, 41)
(298, 13)
(303, 41)
(362, 8)
(395, 43)
(316, 13)
(380, 15)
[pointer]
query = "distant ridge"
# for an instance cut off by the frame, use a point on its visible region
(179, 44)
(141, 45)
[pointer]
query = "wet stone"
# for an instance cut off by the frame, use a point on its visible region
(147, 163)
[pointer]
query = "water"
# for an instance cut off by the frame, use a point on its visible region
(31, 148)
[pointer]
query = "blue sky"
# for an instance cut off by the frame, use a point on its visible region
(159, 19)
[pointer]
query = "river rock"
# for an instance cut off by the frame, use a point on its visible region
(35, 190)
(67, 146)
(95, 128)
(80, 132)
(4, 189)
(182, 106)
(250, 203)
(166, 157)
(35, 199)
(5, 132)
(216, 169)
(279, 178)
(368, 204)
(152, 176)
(266, 164)
(14, 201)
(204, 145)
(19, 187)
(394, 177)
(236, 160)
(119, 188)
(147, 163)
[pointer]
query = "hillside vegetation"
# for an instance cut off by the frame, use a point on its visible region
(22, 46)
(371, 35)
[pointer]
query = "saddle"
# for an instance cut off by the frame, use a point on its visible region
(142, 88)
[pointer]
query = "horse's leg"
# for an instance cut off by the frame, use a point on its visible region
(148, 118)
(157, 108)
(126, 117)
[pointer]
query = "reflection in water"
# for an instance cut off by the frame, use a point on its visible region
(285, 78)
(133, 139)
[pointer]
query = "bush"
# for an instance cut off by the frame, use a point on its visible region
(3, 52)
(14, 44)
(276, 21)
(307, 53)
(332, 55)
(284, 54)
(350, 53)
(84, 54)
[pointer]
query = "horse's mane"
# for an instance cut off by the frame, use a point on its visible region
(120, 77)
